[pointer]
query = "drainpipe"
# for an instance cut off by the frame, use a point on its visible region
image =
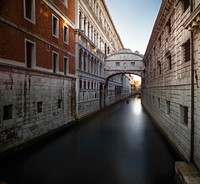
(192, 92)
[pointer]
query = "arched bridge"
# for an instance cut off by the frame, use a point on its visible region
(124, 62)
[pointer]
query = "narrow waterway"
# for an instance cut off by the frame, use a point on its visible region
(120, 145)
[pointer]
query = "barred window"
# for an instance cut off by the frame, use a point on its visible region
(186, 51)
(184, 115)
(169, 60)
(168, 107)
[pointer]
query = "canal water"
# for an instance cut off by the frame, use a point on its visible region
(119, 145)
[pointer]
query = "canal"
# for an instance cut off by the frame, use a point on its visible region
(119, 145)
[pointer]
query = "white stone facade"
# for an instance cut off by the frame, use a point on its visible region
(172, 62)
(96, 37)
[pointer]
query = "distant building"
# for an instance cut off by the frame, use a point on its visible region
(170, 89)
(96, 37)
(37, 68)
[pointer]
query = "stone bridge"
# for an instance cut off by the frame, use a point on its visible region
(124, 62)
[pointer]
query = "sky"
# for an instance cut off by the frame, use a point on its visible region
(134, 21)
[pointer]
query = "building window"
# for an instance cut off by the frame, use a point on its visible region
(168, 107)
(159, 103)
(55, 62)
(186, 51)
(159, 41)
(80, 84)
(108, 50)
(169, 58)
(169, 25)
(7, 112)
(30, 53)
(59, 103)
(65, 64)
(29, 10)
(66, 34)
(39, 107)
(159, 68)
(84, 62)
(65, 2)
(132, 63)
(184, 115)
(117, 63)
(55, 26)
(186, 4)
(85, 86)
(80, 59)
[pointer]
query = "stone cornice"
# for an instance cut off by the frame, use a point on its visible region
(193, 21)
(106, 8)
(160, 22)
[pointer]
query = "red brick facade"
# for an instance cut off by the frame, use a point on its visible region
(15, 29)
(37, 69)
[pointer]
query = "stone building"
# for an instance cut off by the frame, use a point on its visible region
(37, 68)
(122, 64)
(170, 87)
(96, 37)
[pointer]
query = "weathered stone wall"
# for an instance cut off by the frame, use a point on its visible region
(32, 104)
(197, 99)
(166, 88)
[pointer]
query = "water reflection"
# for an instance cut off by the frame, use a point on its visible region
(118, 145)
(136, 106)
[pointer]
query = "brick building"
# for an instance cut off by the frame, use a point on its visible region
(37, 68)
(171, 84)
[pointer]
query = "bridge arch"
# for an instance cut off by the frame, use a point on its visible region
(124, 62)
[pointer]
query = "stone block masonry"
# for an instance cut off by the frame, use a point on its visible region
(33, 104)
(186, 173)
